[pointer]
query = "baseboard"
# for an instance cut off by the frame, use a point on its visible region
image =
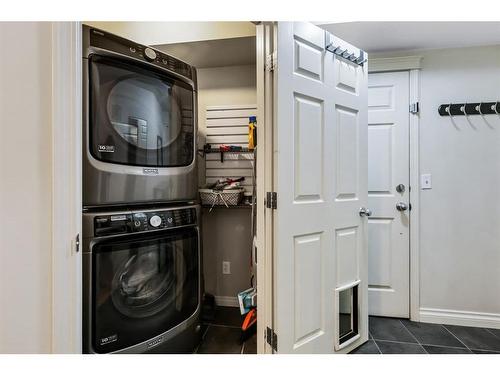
(227, 301)
(460, 318)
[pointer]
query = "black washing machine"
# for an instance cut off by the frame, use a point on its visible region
(141, 280)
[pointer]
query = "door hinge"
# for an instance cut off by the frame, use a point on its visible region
(77, 243)
(414, 108)
(272, 200)
(271, 338)
(271, 61)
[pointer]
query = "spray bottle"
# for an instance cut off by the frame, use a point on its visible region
(252, 132)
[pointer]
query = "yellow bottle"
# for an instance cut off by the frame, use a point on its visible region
(252, 132)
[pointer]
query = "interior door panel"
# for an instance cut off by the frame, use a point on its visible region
(320, 177)
(388, 166)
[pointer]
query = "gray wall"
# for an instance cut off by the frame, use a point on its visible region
(460, 216)
(226, 237)
(226, 232)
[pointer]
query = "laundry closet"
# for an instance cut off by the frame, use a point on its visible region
(227, 97)
(169, 191)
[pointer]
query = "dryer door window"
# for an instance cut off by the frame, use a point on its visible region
(139, 117)
(143, 287)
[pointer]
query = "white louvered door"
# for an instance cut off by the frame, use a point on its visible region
(320, 140)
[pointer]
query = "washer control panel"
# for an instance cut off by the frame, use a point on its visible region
(143, 221)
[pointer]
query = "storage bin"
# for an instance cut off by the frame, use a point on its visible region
(231, 197)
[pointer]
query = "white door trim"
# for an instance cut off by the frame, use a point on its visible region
(266, 42)
(392, 64)
(415, 198)
(66, 190)
(413, 65)
(460, 318)
(263, 180)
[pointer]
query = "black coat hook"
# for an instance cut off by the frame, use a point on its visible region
(462, 109)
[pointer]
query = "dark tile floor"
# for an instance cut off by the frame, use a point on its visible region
(223, 334)
(401, 336)
(387, 336)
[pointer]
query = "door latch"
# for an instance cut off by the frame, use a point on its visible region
(363, 211)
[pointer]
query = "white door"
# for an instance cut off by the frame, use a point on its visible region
(388, 168)
(320, 176)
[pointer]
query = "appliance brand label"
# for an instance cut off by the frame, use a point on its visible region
(150, 170)
(108, 340)
(155, 342)
(118, 217)
(105, 148)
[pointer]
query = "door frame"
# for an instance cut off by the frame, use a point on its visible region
(66, 187)
(264, 181)
(412, 64)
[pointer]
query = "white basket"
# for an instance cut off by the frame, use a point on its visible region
(226, 198)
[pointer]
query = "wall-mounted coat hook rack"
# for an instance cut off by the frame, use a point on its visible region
(333, 45)
(466, 109)
(360, 60)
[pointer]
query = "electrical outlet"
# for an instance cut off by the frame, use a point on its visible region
(226, 268)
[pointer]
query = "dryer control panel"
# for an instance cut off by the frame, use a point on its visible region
(110, 42)
(142, 221)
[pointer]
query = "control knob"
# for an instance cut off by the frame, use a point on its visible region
(149, 54)
(155, 221)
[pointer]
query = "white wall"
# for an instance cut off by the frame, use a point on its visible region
(460, 216)
(226, 232)
(25, 188)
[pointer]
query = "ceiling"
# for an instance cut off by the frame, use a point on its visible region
(374, 37)
(214, 53)
(151, 33)
(396, 36)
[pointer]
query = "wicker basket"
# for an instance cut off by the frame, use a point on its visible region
(226, 198)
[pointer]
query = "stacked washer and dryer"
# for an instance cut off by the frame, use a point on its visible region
(141, 241)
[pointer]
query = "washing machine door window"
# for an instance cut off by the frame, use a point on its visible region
(139, 117)
(143, 287)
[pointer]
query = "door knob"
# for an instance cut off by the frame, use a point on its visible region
(363, 211)
(401, 206)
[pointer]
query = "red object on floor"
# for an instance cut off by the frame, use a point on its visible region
(250, 320)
